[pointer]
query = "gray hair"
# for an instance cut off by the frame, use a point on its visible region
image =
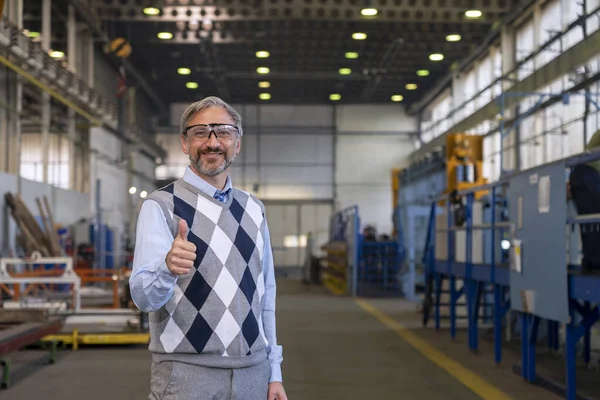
(208, 102)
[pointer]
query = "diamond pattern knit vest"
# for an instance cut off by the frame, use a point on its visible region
(214, 315)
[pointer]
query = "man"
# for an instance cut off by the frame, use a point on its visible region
(203, 269)
(584, 182)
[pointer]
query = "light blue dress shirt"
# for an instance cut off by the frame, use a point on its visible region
(152, 284)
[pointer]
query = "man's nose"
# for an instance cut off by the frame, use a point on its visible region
(212, 140)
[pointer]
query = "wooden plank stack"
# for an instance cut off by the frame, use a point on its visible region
(32, 237)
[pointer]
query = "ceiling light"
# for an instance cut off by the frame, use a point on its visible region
(262, 54)
(335, 97)
(359, 36)
(473, 13)
(351, 55)
(143, 194)
(368, 12)
(453, 37)
(184, 71)
(207, 24)
(345, 71)
(165, 35)
(264, 84)
(33, 35)
(264, 96)
(151, 11)
(263, 70)
(194, 24)
(191, 85)
(397, 97)
(423, 72)
(56, 54)
(436, 57)
(411, 86)
(132, 190)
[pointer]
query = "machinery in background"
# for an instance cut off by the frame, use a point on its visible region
(464, 163)
(455, 167)
(360, 263)
(71, 273)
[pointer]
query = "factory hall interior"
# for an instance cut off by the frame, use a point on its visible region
(299, 199)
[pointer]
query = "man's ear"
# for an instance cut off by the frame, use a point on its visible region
(185, 146)
(238, 146)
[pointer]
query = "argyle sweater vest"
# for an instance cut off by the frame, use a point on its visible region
(214, 317)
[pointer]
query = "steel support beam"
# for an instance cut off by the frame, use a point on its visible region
(566, 62)
(4, 113)
(46, 104)
(14, 92)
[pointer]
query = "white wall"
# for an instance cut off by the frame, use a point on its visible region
(364, 162)
(374, 118)
(315, 152)
(287, 152)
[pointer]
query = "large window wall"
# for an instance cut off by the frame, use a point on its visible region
(547, 134)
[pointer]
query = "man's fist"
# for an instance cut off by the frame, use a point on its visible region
(183, 253)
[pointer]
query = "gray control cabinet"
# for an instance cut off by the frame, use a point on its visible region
(538, 265)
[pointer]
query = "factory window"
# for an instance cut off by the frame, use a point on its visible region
(294, 241)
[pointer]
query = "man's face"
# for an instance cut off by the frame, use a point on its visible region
(211, 156)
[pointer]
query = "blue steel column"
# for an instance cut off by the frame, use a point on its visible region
(570, 355)
(498, 290)
(432, 266)
(524, 345)
(534, 324)
(355, 252)
(469, 284)
(450, 253)
(587, 334)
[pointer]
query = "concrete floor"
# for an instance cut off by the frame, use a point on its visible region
(333, 349)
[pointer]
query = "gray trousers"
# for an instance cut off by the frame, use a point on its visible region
(179, 381)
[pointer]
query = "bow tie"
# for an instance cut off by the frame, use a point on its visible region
(221, 196)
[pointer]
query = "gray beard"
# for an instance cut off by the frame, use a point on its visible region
(207, 170)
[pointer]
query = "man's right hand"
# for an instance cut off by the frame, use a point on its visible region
(183, 253)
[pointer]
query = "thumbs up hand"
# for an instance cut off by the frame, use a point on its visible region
(183, 253)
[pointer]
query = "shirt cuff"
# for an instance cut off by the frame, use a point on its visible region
(275, 373)
(165, 278)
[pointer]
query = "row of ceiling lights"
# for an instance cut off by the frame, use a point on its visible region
(367, 12)
(454, 37)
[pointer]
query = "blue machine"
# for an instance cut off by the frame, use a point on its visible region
(104, 246)
(371, 267)
(532, 276)
(419, 184)
(524, 244)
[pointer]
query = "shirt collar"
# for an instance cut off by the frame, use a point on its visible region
(190, 177)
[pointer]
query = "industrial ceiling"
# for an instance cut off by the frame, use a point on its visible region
(316, 51)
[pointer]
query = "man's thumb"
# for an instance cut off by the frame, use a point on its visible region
(183, 229)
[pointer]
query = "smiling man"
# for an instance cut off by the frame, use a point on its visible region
(203, 269)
